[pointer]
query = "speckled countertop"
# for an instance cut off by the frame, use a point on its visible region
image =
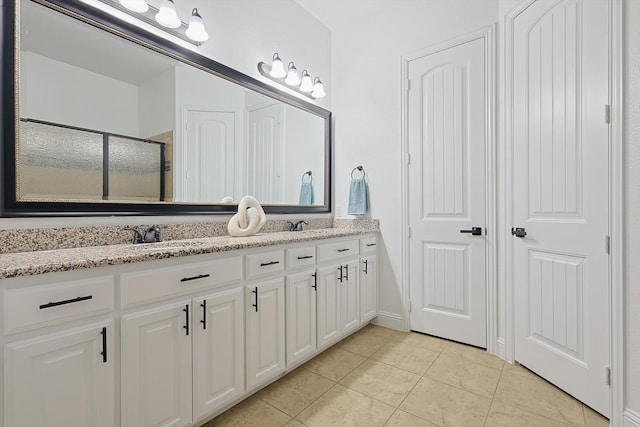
(40, 262)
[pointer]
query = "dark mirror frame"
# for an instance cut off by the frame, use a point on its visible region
(11, 207)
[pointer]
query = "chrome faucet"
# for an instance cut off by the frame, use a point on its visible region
(152, 234)
(297, 226)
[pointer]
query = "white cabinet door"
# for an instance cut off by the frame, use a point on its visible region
(328, 295)
(301, 316)
(218, 350)
(156, 367)
(368, 288)
(350, 298)
(62, 379)
(265, 350)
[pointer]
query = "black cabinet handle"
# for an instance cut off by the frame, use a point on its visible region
(340, 275)
(186, 310)
(201, 276)
(366, 266)
(204, 314)
(264, 264)
(315, 282)
(67, 301)
(518, 232)
(305, 257)
(104, 344)
(371, 244)
(346, 267)
(343, 250)
(255, 291)
(475, 231)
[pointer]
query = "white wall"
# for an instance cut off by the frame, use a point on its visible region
(156, 104)
(61, 93)
(632, 209)
(366, 103)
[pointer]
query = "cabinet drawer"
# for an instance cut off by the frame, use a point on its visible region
(264, 263)
(301, 257)
(148, 285)
(337, 250)
(42, 305)
(368, 245)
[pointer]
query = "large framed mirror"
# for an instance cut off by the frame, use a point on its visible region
(103, 118)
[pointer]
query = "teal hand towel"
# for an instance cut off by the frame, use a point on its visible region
(306, 193)
(358, 197)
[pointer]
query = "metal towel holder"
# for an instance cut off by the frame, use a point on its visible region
(358, 168)
(310, 176)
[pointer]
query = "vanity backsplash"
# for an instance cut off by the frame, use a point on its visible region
(42, 239)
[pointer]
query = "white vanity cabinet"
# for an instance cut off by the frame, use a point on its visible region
(368, 279)
(301, 316)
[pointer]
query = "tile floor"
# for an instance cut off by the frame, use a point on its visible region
(383, 377)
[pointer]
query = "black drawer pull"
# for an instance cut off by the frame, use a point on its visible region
(366, 266)
(204, 314)
(255, 291)
(371, 244)
(305, 257)
(264, 264)
(186, 318)
(343, 250)
(104, 344)
(67, 301)
(202, 276)
(340, 276)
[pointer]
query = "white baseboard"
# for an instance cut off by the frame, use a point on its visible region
(501, 352)
(388, 320)
(631, 418)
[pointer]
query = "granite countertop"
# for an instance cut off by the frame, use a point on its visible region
(40, 262)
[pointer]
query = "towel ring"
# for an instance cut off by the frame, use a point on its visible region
(358, 168)
(310, 176)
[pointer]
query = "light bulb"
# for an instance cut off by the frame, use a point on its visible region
(196, 30)
(292, 75)
(307, 84)
(277, 67)
(140, 6)
(318, 89)
(167, 15)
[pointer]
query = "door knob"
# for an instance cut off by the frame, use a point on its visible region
(518, 232)
(475, 231)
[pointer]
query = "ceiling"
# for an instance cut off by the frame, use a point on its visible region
(338, 13)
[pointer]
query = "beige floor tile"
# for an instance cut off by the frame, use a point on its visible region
(252, 412)
(405, 419)
(518, 369)
(294, 423)
(473, 354)
(470, 376)
(446, 405)
(594, 419)
(383, 382)
(538, 396)
(365, 342)
(501, 415)
(385, 332)
(423, 341)
(294, 392)
(405, 356)
(344, 407)
(334, 363)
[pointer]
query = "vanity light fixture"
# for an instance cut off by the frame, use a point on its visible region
(165, 18)
(290, 78)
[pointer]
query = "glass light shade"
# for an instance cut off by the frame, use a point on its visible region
(306, 85)
(277, 68)
(140, 6)
(196, 30)
(167, 15)
(318, 89)
(292, 75)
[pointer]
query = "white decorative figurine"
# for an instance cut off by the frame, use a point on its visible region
(249, 219)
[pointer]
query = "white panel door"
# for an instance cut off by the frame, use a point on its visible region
(265, 331)
(62, 379)
(446, 125)
(264, 154)
(368, 288)
(211, 156)
(329, 297)
(301, 316)
(218, 350)
(350, 298)
(560, 194)
(156, 367)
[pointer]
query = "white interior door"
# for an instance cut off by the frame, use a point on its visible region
(264, 154)
(210, 156)
(560, 194)
(446, 128)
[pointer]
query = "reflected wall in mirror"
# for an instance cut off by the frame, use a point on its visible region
(105, 121)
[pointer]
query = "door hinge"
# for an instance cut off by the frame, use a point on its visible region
(607, 375)
(607, 113)
(607, 244)
(408, 158)
(408, 84)
(409, 232)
